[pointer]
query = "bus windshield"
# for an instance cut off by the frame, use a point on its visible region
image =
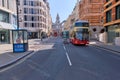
(80, 24)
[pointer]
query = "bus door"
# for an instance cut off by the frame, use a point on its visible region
(82, 35)
(85, 34)
(79, 35)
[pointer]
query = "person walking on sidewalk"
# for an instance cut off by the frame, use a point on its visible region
(41, 36)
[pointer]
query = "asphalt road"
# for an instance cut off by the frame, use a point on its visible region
(66, 62)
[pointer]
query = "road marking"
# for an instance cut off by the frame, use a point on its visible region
(68, 58)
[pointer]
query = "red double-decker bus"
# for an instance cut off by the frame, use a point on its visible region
(55, 34)
(79, 33)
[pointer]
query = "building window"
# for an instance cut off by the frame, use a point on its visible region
(109, 5)
(3, 3)
(25, 24)
(32, 24)
(108, 16)
(32, 18)
(4, 16)
(25, 2)
(25, 18)
(118, 12)
(40, 4)
(8, 4)
(117, 34)
(32, 11)
(107, 0)
(90, 1)
(18, 2)
(25, 10)
(37, 3)
(32, 3)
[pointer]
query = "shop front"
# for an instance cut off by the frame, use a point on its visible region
(113, 32)
(4, 36)
(5, 33)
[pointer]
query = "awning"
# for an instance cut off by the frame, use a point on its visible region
(6, 26)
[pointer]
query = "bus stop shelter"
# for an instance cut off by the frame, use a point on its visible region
(20, 40)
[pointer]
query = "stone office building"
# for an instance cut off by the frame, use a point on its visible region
(34, 16)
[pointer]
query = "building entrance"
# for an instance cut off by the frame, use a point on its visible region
(2, 37)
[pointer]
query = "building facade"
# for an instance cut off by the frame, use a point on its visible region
(34, 16)
(69, 22)
(112, 19)
(91, 10)
(74, 16)
(56, 27)
(8, 20)
(49, 25)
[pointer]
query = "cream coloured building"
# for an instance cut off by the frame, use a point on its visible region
(34, 16)
(7, 20)
(74, 16)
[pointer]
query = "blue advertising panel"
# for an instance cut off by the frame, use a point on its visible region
(18, 48)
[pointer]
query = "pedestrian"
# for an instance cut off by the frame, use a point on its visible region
(41, 38)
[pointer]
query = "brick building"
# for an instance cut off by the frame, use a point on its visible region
(91, 10)
(112, 19)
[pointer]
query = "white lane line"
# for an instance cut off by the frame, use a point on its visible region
(64, 47)
(68, 58)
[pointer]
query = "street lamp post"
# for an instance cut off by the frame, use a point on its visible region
(17, 14)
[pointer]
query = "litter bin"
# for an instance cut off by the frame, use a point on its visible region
(20, 40)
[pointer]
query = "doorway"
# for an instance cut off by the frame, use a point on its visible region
(2, 38)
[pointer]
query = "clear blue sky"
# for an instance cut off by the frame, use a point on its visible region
(62, 7)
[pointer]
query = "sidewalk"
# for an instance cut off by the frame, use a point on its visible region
(7, 57)
(4, 48)
(10, 58)
(110, 47)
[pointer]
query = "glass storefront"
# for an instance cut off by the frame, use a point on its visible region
(113, 32)
(4, 36)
